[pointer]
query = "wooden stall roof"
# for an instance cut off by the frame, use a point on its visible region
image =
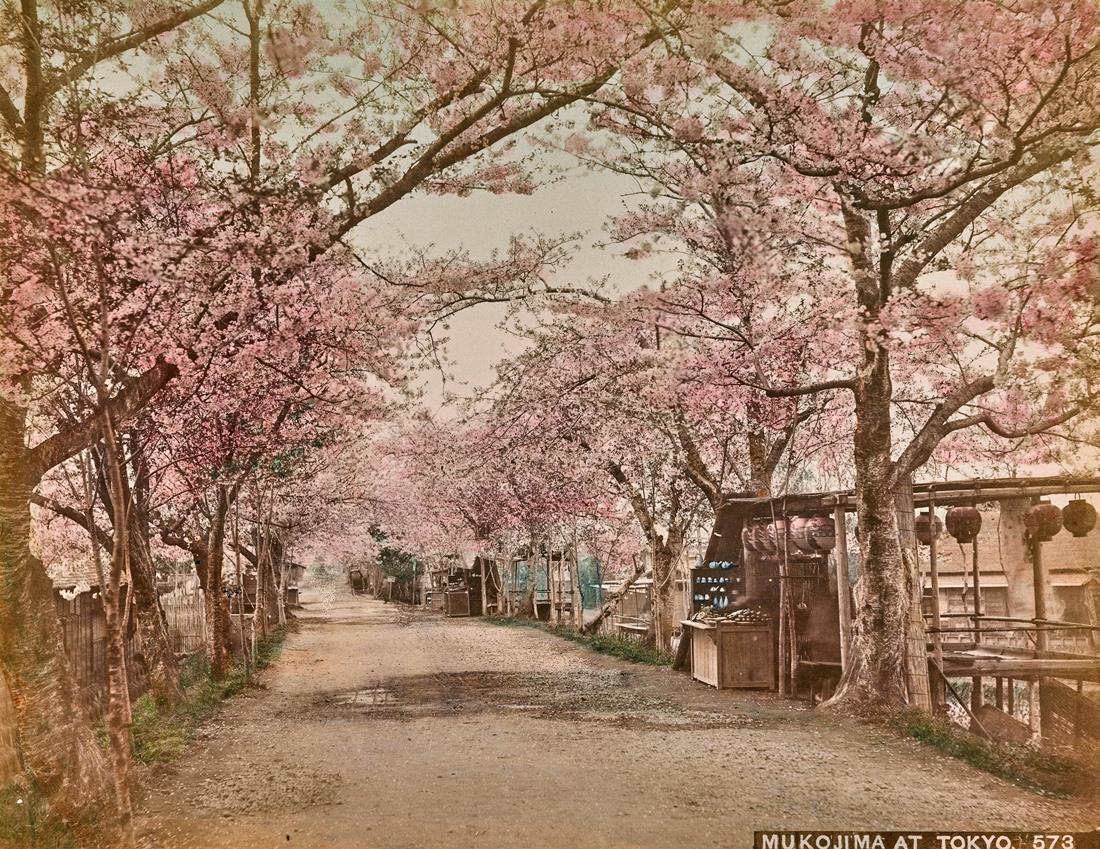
(721, 545)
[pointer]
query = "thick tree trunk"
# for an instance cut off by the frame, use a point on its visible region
(56, 744)
(161, 668)
(876, 672)
(151, 627)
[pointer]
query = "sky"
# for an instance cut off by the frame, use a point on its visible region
(581, 201)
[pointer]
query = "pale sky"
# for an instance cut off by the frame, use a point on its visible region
(581, 201)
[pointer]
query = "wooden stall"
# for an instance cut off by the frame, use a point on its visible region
(1005, 622)
(471, 590)
(730, 655)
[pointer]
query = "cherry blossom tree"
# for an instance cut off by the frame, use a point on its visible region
(236, 182)
(910, 184)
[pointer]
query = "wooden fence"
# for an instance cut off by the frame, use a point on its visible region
(84, 627)
(185, 613)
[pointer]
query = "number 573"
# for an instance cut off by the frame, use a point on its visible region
(1052, 841)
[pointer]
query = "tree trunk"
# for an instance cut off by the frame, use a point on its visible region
(916, 649)
(876, 671)
(259, 612)
(119, 714)
(217, 605)
(161, 668)
(56, 743)
(527, 608)
(665, 555)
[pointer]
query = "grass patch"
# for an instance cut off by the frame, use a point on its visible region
(1041, 772)
(162, 732)
(614, 645)
(26, 821)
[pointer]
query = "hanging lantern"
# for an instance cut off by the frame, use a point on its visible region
(748, 538)
(963, 523)
(822, 533)
(1042, 521)
(777, 535)
(765, 542)
(1079, 517)
(928, 528)
(800, 534)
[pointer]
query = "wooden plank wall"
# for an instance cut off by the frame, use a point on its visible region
(84, 628)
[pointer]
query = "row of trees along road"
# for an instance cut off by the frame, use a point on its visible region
(183, 303)
(884, 227)
(882, 214)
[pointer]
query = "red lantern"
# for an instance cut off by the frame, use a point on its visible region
(800, 534)
(927, 528)
(822, 533)
(1042, 521)
(963, 523)
(1079, 517)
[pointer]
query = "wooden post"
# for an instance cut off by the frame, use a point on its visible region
(977, 696)
(1040, 589)
(1033, 709)
(484, 588)
(843, 602)
(1011, 709)
(1000, 693)
(938, 695)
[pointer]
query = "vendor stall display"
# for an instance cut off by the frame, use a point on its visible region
(732, 651)
(716, 584)
(463, 594)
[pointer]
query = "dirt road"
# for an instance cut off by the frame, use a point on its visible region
(381, 727)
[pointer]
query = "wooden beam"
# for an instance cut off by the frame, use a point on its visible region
(1024, 668)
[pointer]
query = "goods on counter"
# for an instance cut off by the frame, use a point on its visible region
(747, 615)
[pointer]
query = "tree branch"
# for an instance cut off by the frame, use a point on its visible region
(118, 46)
(130, 400)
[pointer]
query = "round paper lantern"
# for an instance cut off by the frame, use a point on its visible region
(765, 542)
(777, 535)
(800, 534)
(927, 528)
(748, 538)
(822, 533)
(963, 523)
(1043, 521)
(1079, 517)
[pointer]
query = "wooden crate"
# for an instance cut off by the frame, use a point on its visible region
(457, 603)
(729, 655)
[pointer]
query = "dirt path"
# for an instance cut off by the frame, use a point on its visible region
(384, 728)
